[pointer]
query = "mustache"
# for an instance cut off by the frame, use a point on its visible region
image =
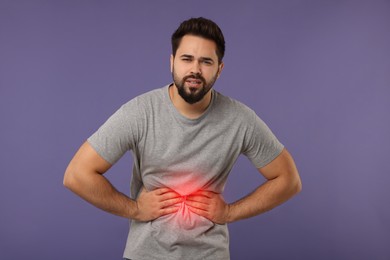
(195, 76)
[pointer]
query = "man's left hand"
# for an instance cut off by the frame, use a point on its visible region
(209, 205)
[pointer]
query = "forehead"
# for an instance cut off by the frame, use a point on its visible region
(197, 46)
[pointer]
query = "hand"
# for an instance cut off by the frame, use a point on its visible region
(209, 205)
(156, 203)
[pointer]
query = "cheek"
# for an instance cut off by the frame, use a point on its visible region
(210, 75)
(178, 70)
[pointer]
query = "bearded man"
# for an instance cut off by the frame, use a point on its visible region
(185, 138)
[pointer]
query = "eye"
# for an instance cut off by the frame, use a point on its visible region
(186, 59)
(207, 62)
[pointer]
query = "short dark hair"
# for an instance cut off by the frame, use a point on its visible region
(200, 27)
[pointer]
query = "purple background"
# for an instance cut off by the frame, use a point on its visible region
(316, 71)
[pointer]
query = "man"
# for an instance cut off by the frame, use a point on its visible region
(185, 138)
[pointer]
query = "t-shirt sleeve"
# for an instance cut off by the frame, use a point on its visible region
(260, 145)
(117, 135)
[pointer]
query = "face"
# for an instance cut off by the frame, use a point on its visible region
(195, 68)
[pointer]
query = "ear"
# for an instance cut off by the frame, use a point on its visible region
(171, 60)
(220, 68)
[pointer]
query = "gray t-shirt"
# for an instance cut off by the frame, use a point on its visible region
(185, 155)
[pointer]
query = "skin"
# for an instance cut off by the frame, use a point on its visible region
(282, 183)
(84, 176)
(85, 173)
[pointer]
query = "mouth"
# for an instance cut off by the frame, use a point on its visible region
(193, 82)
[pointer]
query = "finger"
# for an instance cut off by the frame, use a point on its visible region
(169, 210)
(178, 205)
(166, 192)
(204, 193)
(197, 205)
(169, 195)
(170, 202)
(161, 191)
(199, 199)
(199, 212)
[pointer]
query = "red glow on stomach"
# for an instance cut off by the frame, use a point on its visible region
(184, 217)
(185, 184)
(187, 188)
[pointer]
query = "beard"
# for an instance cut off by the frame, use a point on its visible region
(193, 95)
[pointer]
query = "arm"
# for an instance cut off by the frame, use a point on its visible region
(283, 182)
(84, 176)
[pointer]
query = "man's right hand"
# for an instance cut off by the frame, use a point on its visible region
(156, 203)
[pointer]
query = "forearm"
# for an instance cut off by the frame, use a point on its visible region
(97, 190)
(266, 197)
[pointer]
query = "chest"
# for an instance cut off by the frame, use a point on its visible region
(188, 157)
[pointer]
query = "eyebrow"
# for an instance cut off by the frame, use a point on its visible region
(201, 58)
(206, 59)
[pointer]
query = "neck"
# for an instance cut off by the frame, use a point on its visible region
(191, 111)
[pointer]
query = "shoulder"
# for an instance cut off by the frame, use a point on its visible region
(146, 100)
(230, 106)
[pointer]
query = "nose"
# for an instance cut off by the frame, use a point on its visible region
(196, 69)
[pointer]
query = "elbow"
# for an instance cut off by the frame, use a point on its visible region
(71, 181)
(68, 180)
(297, 185)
